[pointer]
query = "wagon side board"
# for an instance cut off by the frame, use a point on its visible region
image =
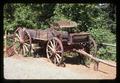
(44, 35)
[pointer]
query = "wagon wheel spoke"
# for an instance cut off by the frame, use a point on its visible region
(51, 48)
(26, 44)
(58, 51)
(51, 44)
(58, 56)
(58, 60)
(17, 36)
(50, 53)
(57, 47)
(26, 48)
(26, 39)
(17, 50)
(16, 39)
(54, 42)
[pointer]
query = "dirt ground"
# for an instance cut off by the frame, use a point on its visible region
(18, 67)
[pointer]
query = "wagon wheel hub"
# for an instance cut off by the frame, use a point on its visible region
(22, 41)
(54, 51)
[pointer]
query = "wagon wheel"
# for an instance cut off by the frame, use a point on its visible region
(22, 43)
(54, 51)
(92, 49)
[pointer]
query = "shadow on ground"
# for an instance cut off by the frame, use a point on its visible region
(68, 60)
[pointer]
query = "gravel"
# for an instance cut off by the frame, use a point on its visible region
(41, 68)
(37, 69)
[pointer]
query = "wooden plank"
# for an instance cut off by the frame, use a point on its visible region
(111, 52)
(94, 58)
(10, 51)
(109, 44)
(5, 43)
(41, 39)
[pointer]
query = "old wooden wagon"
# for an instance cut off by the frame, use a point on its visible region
(56, 39)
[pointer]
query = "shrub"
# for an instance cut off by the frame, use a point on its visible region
(104, 36)
(108, 53)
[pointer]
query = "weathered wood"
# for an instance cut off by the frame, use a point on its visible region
(94, 58)
(10, 51)
(111, 52)
(109, 44)
(5, 43)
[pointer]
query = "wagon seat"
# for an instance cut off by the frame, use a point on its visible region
(64, 24)
(64, 35)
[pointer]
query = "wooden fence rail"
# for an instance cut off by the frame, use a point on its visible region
(109, 44)
(94, 58)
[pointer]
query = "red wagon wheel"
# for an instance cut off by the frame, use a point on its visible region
(54, 51)
(22, 42)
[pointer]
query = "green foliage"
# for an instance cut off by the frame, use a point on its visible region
(102, 35)
(27, 15)
(8, 17)
(107, 52)
(41, 15)
(9, 42)
(24, 16)
(69, 53)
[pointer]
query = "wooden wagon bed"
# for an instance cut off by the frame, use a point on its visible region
(39, 34)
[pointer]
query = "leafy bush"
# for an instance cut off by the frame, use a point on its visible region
(69, 53)
(34, 16)
(108, 53)
(102, 35)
